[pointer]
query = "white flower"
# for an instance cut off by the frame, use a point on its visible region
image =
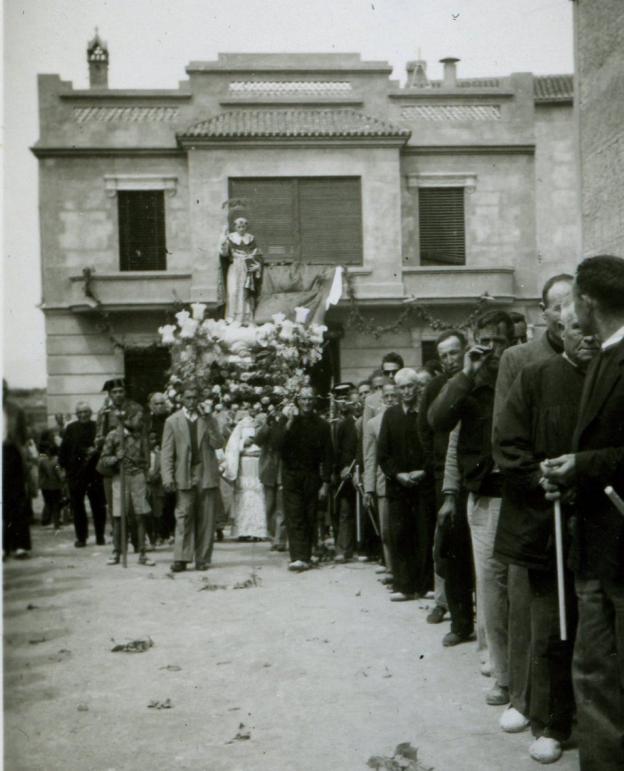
(182, 316)
(188, 328)
(199, 309)
(316, 332)
(216, 389)
(287, 330)
(301, 314)
(167, 334)
(264, 334)
(278, 317)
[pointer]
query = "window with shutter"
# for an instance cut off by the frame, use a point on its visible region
(142, 230)
(442, 225)
(309, 219)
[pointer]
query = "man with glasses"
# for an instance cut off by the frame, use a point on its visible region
(390, 364)
(78, 458)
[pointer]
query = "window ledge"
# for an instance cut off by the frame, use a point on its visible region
(454, 269)
(134, 275)
(138, 182)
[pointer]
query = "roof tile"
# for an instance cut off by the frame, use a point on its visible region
(292, 123)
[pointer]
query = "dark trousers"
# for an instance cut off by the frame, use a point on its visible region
(551, 702)
(300, 490)
(345, 540)
(52, 500)
(598, 674)
(458, 570)
(276, 525)
(94, 490)
(411, 543)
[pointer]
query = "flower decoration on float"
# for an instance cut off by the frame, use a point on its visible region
(260, 366)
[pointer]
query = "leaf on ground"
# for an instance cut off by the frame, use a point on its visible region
(405, 758)
(358, 593)
(62, 655)
(172, 668)
(82, 708)
(30, 606)
(134, 646)
(242, 735)
(37, 640)
(208, 586)
(253, 580)
(156, 704)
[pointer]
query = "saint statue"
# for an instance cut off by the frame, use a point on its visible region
(241, 264)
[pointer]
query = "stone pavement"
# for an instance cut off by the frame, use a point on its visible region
(320, 668)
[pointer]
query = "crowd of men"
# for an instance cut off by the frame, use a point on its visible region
(448, 475)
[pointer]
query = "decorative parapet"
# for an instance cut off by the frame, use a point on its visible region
(451, 112)
(289, 87)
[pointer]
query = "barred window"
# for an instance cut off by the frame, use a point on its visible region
(442, 225)
(142, 230)
(308, 219)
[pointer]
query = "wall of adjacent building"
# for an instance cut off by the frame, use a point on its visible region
(599, 32)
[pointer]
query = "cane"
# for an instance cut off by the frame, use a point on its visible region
(615, 499)
(563, 628)
(122, 491)
(358, 513)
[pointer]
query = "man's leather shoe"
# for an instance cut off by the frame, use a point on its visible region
(114, 560)
(402, 597)
(80, 544)
(452, 638)
(101, 541)
(178, 567)
(497, 696)
(202, 566)
(436, 616)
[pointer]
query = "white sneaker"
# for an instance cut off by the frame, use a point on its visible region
(545, 750)
(512, 721)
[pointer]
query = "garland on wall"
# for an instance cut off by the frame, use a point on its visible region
(413, 312)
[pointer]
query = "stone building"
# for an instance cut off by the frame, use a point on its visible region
(599, 65)
(435, 190)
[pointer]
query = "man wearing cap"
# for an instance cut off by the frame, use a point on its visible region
(190, 468)
(78, 458)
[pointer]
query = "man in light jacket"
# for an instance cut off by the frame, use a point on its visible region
(191, 448)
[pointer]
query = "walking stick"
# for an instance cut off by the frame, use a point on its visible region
(615, 499)
(122, 495)
(358, 512)
(563, 628)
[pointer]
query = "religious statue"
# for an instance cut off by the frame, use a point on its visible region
(241, 264)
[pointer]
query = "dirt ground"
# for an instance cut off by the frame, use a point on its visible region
(320, 668)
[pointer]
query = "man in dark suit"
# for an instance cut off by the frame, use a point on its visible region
(596, 461)
(452, 536)
(409, 489)
(78, 458)
(305, 448)
(538, 422)
(189, 467)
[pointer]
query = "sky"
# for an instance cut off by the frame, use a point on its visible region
(150, 43)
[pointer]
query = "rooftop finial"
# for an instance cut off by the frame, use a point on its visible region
(97, 57)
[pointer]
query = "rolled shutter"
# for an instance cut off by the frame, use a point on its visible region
(442, 226)
(270, 207)
(330, 213)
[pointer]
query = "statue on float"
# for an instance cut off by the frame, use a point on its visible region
(242, 268)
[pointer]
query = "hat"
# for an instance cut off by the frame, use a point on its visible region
(116, 382)
(342, 390)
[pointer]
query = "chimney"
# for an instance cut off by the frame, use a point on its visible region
(417, 74)
(97, 57)
(450, 72)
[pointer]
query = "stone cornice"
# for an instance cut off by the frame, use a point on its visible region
(90, 152)
(502, 149)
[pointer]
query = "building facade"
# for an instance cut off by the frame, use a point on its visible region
(434, 192)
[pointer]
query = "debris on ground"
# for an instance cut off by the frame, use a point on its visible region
(156, 704)
(62, 655)
(405, 758)
(37, 640)
(386, 675)
(134, 646)
(208, 586)
(30, 606)
(241, 735)
(82, 708)
(172, 668)
(253, 580)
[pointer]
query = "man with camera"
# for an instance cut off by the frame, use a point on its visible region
(469, 397)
